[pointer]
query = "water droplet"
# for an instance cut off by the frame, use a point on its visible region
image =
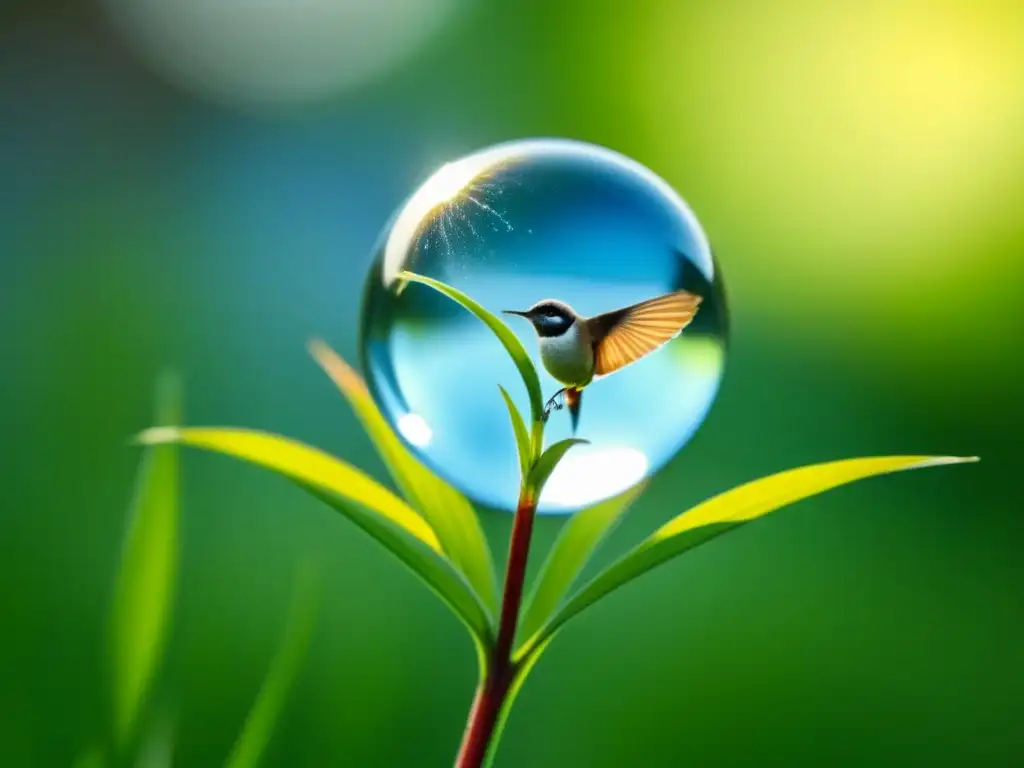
(512, 225)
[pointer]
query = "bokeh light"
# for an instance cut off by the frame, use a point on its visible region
(275, 52)
(869, 147)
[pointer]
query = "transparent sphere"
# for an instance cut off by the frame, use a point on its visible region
(512, 225)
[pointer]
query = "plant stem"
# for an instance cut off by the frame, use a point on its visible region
(490, 697)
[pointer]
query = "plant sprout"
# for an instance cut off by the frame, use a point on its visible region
(141, 616)
(433, 528)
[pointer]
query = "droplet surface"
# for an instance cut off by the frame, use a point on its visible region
(512, 225)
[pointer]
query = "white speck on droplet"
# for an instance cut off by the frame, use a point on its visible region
(415, 429)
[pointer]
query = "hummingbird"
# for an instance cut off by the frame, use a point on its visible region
(577, 350)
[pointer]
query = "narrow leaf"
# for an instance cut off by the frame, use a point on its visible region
(548, 461)
(522, 435)
(723, 513)
(576, 542)
(255, 735)
(144, 591)
(361, 499)
(505, 336)
(447, 511)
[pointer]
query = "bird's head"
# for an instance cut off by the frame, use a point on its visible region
(549, 317)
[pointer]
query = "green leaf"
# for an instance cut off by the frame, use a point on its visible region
(144, 590)
(364, 501)
(723, 513)
(548, 461)
(576, 542)
(522, 435)
(447, 511)
(270, 700)
(505, 336)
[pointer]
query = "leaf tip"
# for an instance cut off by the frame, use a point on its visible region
(938, 461)
(158, 436)
(317, 348)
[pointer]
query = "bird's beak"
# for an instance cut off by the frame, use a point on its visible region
(516, 312)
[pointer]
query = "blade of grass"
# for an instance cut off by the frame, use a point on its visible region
(505, 335)
(144, 590)
(576, 542)
(259, 725)
(521, 434)
(355, 495)
(724, 513)
(447, 511)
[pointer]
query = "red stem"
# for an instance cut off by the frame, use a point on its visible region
(483, 716)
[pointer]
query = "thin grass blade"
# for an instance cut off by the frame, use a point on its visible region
(577, 541)
(724, 513)
(505, 335)
(259, 725)
(447, 511)
(144, 590)
(362, 500)
(522, 435)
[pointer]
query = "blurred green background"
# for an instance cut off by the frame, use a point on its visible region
(199, 184)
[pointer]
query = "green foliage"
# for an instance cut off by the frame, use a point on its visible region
(721, 514)
(255, 735)
(144, 590)
(447, 511)
(522, 436)
(141, 615)
(576, 542)
(437, 535)
(362, 500)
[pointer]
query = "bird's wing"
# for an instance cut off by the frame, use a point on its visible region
(625, 335)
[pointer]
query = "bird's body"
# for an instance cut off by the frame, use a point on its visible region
(569, 358)
(575, 350)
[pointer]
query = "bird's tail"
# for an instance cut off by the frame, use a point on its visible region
(573, 398)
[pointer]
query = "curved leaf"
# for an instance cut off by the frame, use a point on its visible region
(361, 499)
(723, 513)
(447, 511)
(505, 335)
(259, 724)
(576, 542)
(548, 461)
(144, 591)
(522, 435)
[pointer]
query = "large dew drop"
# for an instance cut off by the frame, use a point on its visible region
(512, 225)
